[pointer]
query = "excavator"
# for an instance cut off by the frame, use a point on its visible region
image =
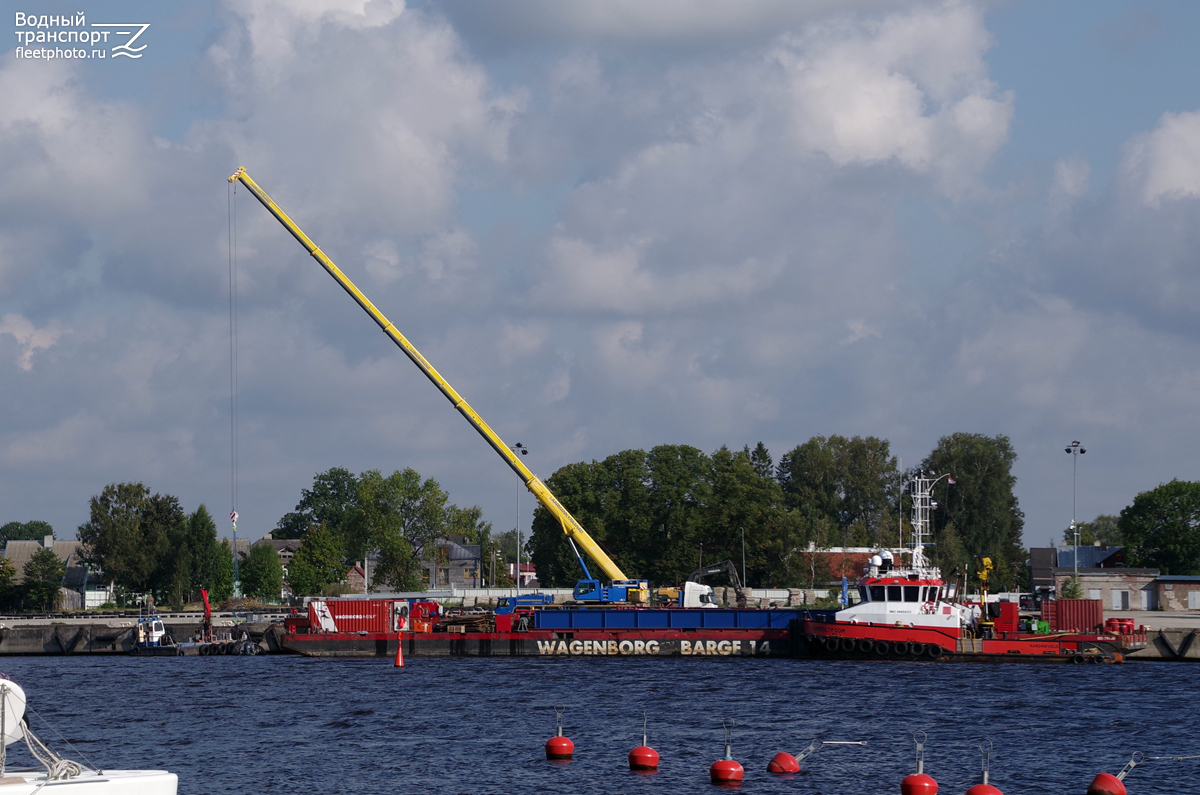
(694, 593)
(622, 589)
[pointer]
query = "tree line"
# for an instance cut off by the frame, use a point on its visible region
(663, 513)
(146, 543)
(660, 514)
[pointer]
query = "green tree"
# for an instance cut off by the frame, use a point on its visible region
(853, 482)
(262, 573)
(744, 516)
(401, 517)
(332, 501)
(43, 577)
(211, 560)
(317, 563)
(760, 458)
(579, 488)
(1104, 530)
(1161, 528)
(981, 504)
(24, 531)
(10, 595)
(126, 537)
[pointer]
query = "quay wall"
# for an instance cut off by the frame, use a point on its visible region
(21, 638)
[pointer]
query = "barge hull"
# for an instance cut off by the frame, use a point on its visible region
(542, 643)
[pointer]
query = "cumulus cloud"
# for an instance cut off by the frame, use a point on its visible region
(911, 88)
(1165, 163)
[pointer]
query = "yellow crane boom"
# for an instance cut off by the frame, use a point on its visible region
(570, 525)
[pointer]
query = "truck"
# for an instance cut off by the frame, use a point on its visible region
(694, 593)
(621, 588)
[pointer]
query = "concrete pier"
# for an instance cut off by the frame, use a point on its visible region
(85, 636)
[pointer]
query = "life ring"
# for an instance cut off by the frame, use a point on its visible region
(934, 650)
(928, 608)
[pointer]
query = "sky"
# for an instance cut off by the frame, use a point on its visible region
(609, 225)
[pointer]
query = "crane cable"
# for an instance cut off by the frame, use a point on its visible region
(231, 201)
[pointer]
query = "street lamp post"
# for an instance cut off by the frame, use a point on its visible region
(521, 450)
(1075, 450)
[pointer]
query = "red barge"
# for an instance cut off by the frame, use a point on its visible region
(910, 612)
(373, 627)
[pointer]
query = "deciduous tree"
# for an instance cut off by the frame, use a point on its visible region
(400, 516)
(43, 577)
(262, 573)
(317, 563)
(981, 504)
(1161, 528)
(24, 531)
(331, 501)
(1103, 530)
(126, 536)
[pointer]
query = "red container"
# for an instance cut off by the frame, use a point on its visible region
(355, 615)
(1074, 615)
(504, 622)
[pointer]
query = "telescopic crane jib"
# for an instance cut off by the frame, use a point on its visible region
(622, 589)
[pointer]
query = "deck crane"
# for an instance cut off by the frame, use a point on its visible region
(622, 588)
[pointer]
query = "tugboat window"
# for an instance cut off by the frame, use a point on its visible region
(912, 593)
(876, 593)
(893, 593)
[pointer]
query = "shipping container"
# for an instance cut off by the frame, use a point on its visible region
(1074, 615)
(356, 615)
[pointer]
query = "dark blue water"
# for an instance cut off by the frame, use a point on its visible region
(289, 724)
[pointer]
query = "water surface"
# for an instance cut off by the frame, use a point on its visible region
(291, 724)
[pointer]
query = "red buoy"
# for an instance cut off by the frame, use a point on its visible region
(559, 747)
(725, 771)
(918, 784)
(399, 650)
(783, 763)
(984, 788)
(643, 758)
(1106, 784)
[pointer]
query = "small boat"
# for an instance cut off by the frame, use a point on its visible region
(910, 612)
(56, 774)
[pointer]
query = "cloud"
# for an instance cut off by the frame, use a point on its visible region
(911, 87)
(29, 338)
(1165, 163)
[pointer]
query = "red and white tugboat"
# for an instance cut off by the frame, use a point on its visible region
(910, 612)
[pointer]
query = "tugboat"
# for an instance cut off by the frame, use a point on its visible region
(910, 612)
